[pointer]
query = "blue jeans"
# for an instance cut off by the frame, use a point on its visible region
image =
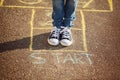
(64, 12)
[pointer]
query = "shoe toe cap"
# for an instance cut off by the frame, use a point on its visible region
(53, 42)
(66, 42)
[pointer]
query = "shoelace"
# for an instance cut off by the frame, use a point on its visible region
(66, 33)
(55, 33)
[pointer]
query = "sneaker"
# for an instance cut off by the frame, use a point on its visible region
(54, 37)
(66, 36)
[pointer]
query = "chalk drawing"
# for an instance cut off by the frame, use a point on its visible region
(57, 56)
(78, 58)
(1, 2)
(30, 1)
(33, 11)
(83, 26)
(110, 3)
(87, 3)
(88, 57)
(83, 35)
(38, 58)
(69, 58)
(31, 27)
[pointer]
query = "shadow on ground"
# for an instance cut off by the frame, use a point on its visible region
(39, 43)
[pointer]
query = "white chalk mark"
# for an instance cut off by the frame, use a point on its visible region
(89, 59)
(68, 58)
(39, 59)
(57, 56)
(78, 58)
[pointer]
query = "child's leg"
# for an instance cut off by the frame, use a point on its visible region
(70, 8)
(58, 13)
(57, 16)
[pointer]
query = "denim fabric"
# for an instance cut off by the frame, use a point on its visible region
(64, 12)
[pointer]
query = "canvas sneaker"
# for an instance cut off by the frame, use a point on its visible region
(66, 36)
(54, 36)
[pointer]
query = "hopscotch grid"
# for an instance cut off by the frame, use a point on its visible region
(31, 26)
(83, 30)
(83, 36)
(87, 3)
(110, 2)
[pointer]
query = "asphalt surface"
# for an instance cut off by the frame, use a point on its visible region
(25, 54)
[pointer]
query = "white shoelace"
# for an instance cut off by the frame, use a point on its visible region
(55, 32)
(66, 32)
